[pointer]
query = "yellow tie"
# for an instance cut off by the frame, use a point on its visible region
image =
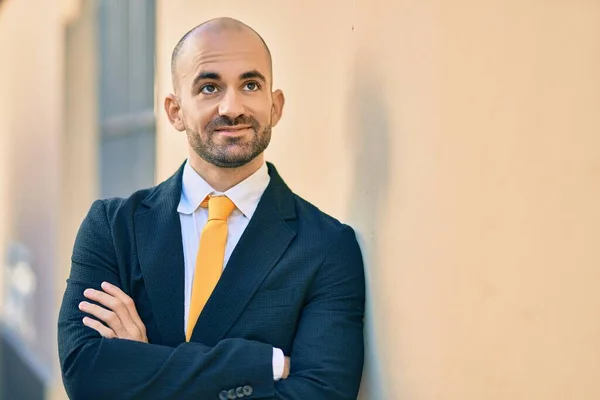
(209, 262)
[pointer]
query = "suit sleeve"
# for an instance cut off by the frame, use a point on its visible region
(328, 350)
(97, 368)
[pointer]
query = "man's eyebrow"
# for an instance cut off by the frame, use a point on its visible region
(206, 75)
(253, 74)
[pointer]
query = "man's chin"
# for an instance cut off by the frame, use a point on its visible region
(231, 160)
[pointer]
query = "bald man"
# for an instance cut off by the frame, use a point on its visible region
(219, 283)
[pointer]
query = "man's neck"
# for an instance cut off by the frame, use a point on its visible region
(223, 179)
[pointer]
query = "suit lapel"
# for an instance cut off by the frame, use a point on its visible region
(160, 253)
(262, 244)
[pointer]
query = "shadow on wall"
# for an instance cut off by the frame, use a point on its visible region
(368, 127)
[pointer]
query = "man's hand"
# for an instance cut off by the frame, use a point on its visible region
(286, 368)
(120, 314)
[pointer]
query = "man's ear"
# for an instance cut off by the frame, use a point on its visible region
(173, 109)
(277, 109)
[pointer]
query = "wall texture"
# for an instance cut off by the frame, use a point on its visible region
(32, 73)
(462, 140)
(47, 154)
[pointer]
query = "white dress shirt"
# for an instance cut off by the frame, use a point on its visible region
(245, 195)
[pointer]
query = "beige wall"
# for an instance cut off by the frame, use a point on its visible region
(47, 147)
(5, 124)
(462, 140)
(32, 67)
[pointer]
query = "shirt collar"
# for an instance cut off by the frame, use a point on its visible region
(245, 195)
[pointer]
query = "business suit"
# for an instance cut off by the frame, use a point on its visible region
(294, 281)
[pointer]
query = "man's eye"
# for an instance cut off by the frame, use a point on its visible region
(208, 89)
(252, 86)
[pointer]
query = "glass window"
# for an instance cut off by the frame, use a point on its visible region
(126, 96)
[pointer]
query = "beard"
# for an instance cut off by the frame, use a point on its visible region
(234, 151)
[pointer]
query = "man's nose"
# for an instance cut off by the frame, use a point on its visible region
(231, 105)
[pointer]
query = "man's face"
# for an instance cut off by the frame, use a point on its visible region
(225, 101)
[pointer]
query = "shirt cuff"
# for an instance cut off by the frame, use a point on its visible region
(278, 363)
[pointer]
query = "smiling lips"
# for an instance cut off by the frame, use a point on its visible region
(232, 130)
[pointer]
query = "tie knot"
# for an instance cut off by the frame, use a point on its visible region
(219, 207)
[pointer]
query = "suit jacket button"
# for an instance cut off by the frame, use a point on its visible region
(231, 394)
(223, 395)
(247, 390)
(239, 391)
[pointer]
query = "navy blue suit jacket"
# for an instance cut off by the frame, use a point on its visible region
(294, 281)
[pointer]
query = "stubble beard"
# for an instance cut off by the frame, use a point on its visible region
(235, 152)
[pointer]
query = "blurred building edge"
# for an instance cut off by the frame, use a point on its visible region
(76, 123)
(41, 154)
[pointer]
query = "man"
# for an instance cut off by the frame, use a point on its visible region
(219, 283)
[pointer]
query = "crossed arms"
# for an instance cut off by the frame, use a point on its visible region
(327, 352)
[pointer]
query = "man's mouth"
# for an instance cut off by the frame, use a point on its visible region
(232, 130)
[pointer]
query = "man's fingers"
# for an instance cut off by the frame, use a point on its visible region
(131, 325)
(108, 301)
(119, 294)
(107, 316)
(99, 327)
(127, 302)
(116, 305)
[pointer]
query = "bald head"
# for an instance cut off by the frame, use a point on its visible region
(213, 26)
(223, 95)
